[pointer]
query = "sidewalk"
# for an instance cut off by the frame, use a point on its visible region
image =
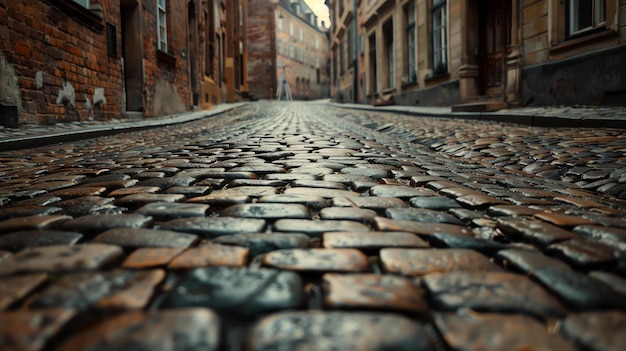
(32, 135)
(550, 116)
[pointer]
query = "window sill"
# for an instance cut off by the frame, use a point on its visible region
(409, 84)
(90, 17)
(437, 77)
(574, 43)
(165, 57)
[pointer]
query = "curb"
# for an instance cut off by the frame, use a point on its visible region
(53, 137)
(532, 120)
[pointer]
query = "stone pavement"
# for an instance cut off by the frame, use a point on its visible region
(312, 227)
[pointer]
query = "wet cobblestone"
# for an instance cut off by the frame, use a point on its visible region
(295, 226)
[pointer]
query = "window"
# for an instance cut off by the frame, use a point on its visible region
(291, 28)
(388, 44)
(350, 39)
(317, 43)
(342, 64)
(440, 40)
(372, 62)
(161, 25)
(301, 35)
(83, 3)
(279, 45)
(291, 52)
(585, 15)
(280, 21)
(410, 43)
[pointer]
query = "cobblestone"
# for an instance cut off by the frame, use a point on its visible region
(297, 226)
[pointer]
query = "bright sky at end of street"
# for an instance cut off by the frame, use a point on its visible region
(320, 10)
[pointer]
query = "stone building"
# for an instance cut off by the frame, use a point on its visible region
(479, 54)
(285, 38)
(68, 60)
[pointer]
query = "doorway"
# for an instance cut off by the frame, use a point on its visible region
(192, 30)
(495, 34)
(132, 56)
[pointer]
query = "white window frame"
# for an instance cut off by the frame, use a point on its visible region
(162, 25)
(598, 15)
(439, 36)
(83, 3)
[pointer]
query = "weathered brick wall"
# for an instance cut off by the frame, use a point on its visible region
(167, 89)
(261, 48)
(60, 61)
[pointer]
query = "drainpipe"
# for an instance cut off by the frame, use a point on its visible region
(355, 49)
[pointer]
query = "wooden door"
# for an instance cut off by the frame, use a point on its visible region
(495, 36)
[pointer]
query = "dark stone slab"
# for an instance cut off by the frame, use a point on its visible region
(579, 290)
(268, 211)
(171, 210)
(491, 292)
(527, 262)
(536, 232)
(421, 215)
(152, 257)
(26, 211)
(616, 282)
(598, 233)
(289, 176)
(400, 191)
(348, 213)
(211, 227)
(434, 203)
(469, 330)
(319, 184)
(168, 182)
(369, 241)
(424, 229)
(13, 289)
(211, 255)
(43, 200)
(586, 255)
(218, 200)
(111, 290)
(346, 179)
(485, 246)
(416, 262)
(563, 220)
(179, 329)
(318, 260)
(189, 191)
(132, 238)
(373, 173)
(480, 200)
(322, 192)
(142, 199)
(601, 331)
(32, 330)
(512, 211)
(32, 223)
(239, 291)
(373, 292)
(315, 228)
(135, 190)
(61, 258)
(325, 331)
(311, 201)
(377, 203)
(257, 182)
(21, 240)
(260, 243)
(102, 222)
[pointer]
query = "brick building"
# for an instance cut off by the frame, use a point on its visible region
(479, 55)
(285, 38)
(67, 60)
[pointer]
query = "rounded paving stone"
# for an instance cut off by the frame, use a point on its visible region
(14, 288)
(434, 203)
(416, 262)
(212, 227)
(451, 241)
(425, 229)
(240, 291)
(260, 243)
(537, 232)
(371, 291)
(421, 215)
(492, 292)
(348, 213)
(166, 210)
(132, 238)
(150, 257)
(32, 330)
(469, 330)
(315, 229)
(268, 211)
(21, 240)
(179, 329)
(367, 241)
(601, 331)
(325, 331)
(377, 203)
(211, 255)
(318, 260)
(400, 191)
(32, 223)
(61, 258)
(100, 222)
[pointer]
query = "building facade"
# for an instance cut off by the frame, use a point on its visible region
(288, 46)
(479, 54)
(69, 60)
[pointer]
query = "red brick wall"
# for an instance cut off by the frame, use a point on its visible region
(43, 36)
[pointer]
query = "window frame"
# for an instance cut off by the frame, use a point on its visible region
(161, 25)
(411, 43)
(439, 37)
(597, 22)
(84, 3)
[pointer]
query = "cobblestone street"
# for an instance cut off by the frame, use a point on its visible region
(304, 226)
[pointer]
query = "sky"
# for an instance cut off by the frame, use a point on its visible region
(320, 10)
